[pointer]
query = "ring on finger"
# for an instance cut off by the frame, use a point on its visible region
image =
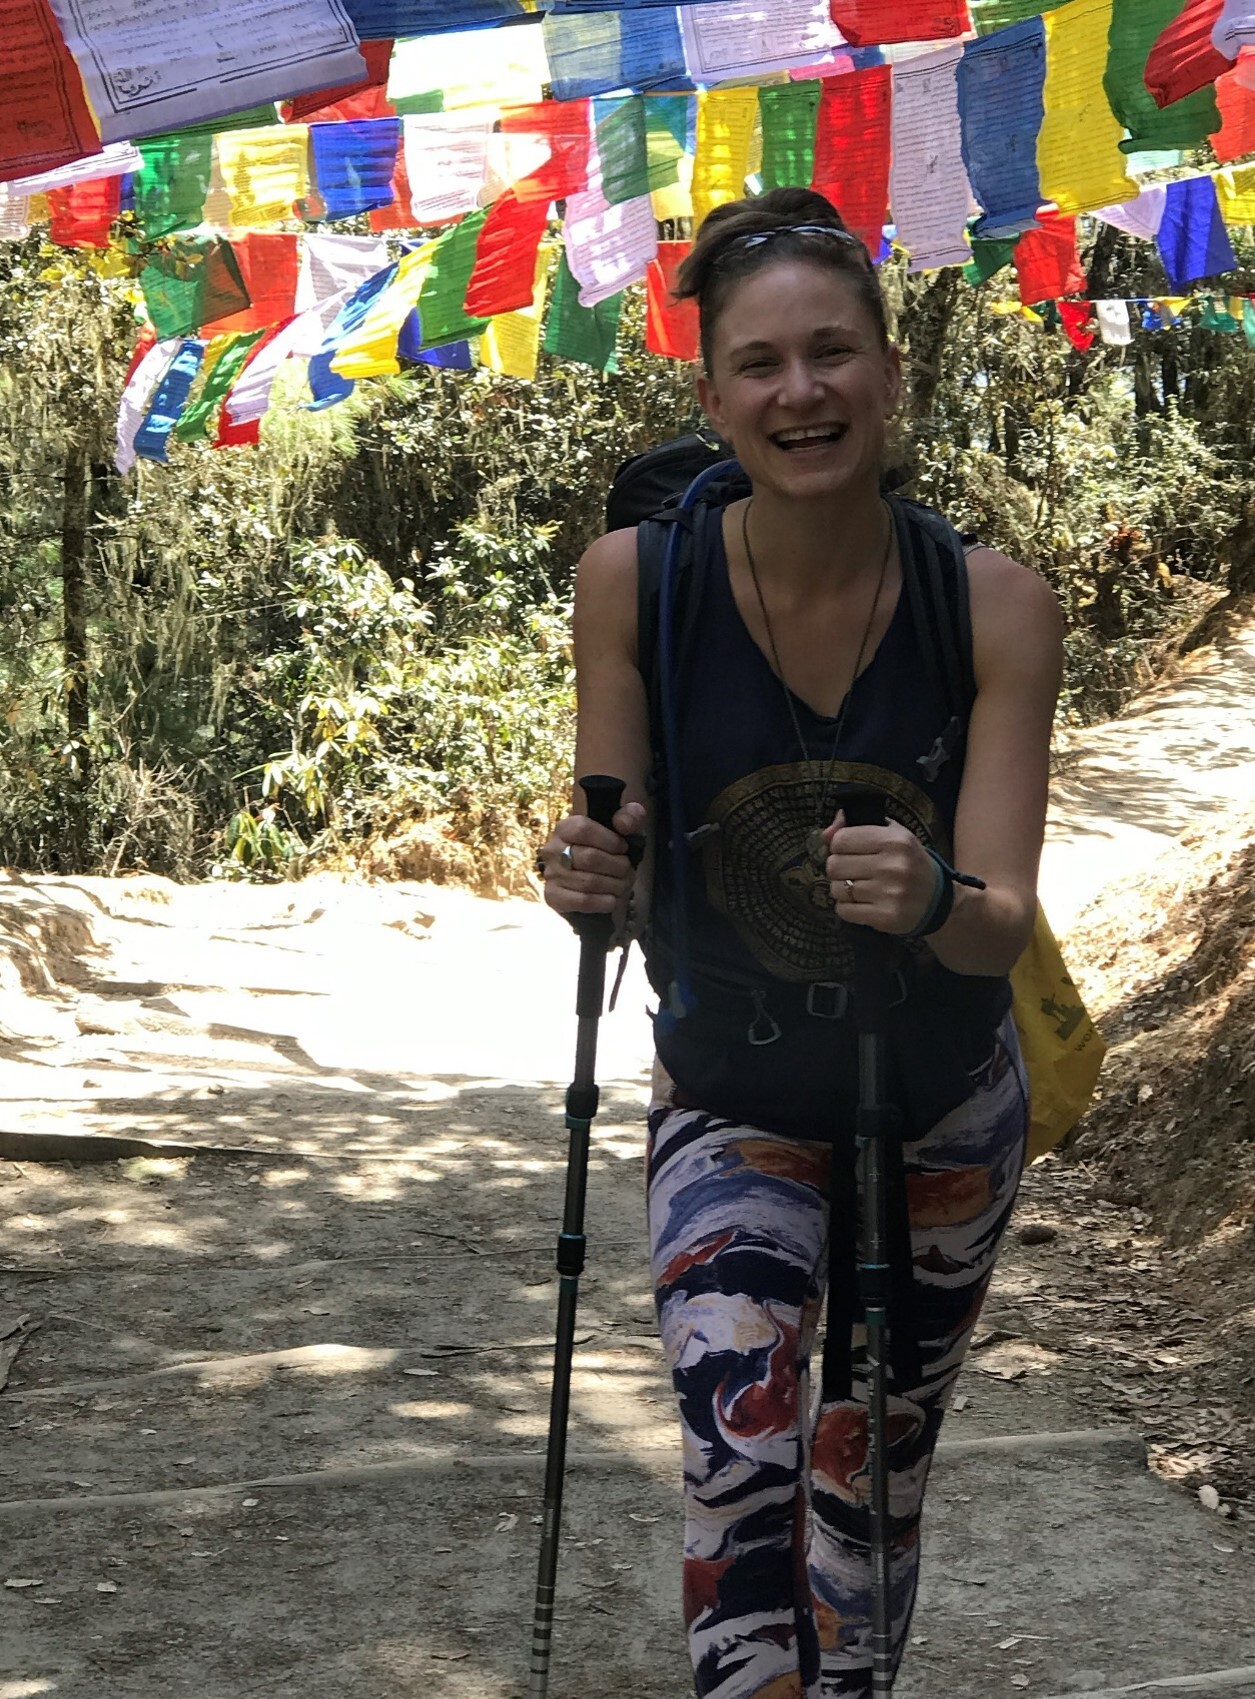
(849, 890)
(567, 859)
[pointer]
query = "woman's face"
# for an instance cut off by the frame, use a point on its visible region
(800, 383)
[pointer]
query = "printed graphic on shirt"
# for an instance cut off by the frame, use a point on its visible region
(763, 873)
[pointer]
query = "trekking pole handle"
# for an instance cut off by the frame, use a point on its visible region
(863, 807)
(602, 796)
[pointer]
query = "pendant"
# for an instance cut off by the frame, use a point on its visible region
(817, 850)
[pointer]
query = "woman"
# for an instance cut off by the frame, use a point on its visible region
(806, 672)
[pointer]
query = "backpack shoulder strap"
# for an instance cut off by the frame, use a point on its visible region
(934, 571)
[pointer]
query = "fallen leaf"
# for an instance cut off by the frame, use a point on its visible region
(1011, 1640)
(449, 1657)
(1209, 1498)
(432, 1373)
(961, 1402)
(636, 1516)
(316, 1310)
(106, 1586)
(1217, 1547)
(509, 1519)
(14, 1332)
(1019, 1681)
(250, 1503)
(19, 1581)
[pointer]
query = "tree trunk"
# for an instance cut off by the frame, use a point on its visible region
(74, 512)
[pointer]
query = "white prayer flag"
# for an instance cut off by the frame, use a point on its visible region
(608, 247)
(1113, 323)
(14, 215)
(446, 161)
(151, 65)
(732, 39)
(1234, 28)
(135, 397)
(336, 265)
(929, 192)
(113, 161)
(1141, 217)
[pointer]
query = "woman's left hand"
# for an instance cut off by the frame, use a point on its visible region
(879, 876)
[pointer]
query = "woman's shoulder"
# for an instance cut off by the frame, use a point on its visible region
(605, 588)
(1001, 583)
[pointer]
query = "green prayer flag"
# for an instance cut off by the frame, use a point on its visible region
(1216, 316)
(1248, 321)
(666, 126)
(195, 420)
(988, 258)
(169, 192)
(251, 118)
(623, 149)
(991, 15)
(586, 334)
(190, 283)
(788, 113)
(1135, 27)
(414, 105)
(440, 311)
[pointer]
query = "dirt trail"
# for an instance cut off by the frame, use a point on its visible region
(272, 1419)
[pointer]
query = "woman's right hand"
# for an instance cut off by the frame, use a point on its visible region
(597, 873)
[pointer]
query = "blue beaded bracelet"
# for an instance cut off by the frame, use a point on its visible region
(938, 911)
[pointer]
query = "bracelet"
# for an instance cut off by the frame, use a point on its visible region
(937, 913)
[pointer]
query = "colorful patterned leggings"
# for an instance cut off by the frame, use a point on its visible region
(776, 1559)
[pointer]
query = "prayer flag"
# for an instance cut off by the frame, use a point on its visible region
(988, 259)
(264, 172)
(151, 67)
(929, 193)
(142, 379)
(503, 279)
(608, 247)
(440, 306)
(372, 350)
(510, 343)
(423, 17)
(622, 148)
(1193, 242)
(219, 378)
(789, 112)
(671, 327)
(469, 68)
(575, 332)
(398, 214)
(1001, 83)
(564, 129)
(731, 40)
(336, 265)
(353, 164)
(666, 130)
(1248, 321)
(249, 399)
(367, 98)
(1236, 102)
(326, 386)
(1078, 324)
(446, 160)
(990, 16)
(1140, 218)
(1234, 28)
(168, 192)
(852, 140)
(44, 116)
(725, 120)
(1183, 59)
(1135, 27)
(14, 216)
(594, 52)
(119, 159)
(1079, 162)
(190, 283)
(152, 439)
(1047, 260)
(1235, 193)
(1113, 323)
(873, 23)
(83, 216)
(269, 265)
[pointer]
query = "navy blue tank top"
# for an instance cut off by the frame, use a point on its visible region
(769, 1042)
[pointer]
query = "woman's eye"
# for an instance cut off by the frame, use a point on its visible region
(759, 365)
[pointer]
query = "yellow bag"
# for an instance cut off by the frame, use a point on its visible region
(1063, 1050)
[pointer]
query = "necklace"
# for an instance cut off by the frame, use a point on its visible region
(816, 848)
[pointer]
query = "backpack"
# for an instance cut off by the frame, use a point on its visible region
(695, 480)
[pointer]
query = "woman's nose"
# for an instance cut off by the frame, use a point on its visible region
(799, 381)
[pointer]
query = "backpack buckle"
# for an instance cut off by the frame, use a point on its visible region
(827, 999)
(764, 1028)
(943, 748)
(899, 989)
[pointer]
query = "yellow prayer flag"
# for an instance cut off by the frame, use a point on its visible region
(263, 172)
(511, 343)
(1235, 190)
(676, 200)
(725, 123)
(1078, 147)
(371, 350)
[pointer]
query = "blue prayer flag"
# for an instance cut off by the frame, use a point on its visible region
(455, 356)
(166, 406)
(328, 387)
(1193, 241)
(595, 52)
(1001, 80)
(376, 20)
(353, 164)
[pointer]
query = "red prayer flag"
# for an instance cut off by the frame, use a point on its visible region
(1236, 135)
(504, 277)
(45, 120)
(147, 340)
(671, 326)
(564, 124)
(399, 214)
(269, 264)
(1183, 60)
(83, 214)
(1047, 260)
(1078, 324)
(349, 101)
(869, 23)
(247, 435)
(852, 150)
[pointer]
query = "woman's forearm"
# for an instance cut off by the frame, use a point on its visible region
(987, 932)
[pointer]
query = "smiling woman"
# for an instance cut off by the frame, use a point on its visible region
(810, 675)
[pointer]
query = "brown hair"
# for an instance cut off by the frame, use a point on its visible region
(721, 257)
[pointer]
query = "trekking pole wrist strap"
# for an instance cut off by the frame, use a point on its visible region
(937, 913)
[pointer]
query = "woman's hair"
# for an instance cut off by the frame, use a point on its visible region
(784, 224)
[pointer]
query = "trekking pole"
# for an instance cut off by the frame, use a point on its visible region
(874, 1126)
(602, 797)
